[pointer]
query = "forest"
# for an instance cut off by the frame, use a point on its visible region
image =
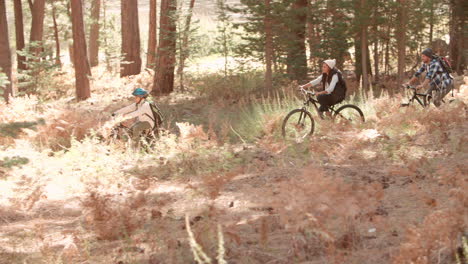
(234, 131)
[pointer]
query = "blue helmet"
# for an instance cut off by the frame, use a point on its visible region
(140, 92)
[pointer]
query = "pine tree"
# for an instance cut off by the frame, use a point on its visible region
(165, 61)
(82, 69)
(5, 55)
(131, 64)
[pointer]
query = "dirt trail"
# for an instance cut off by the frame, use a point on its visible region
(52, 213)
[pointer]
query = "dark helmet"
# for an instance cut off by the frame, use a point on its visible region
(140, 93)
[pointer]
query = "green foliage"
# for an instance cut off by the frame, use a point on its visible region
(40, 65)
(14, 128)
(10, 162)
(3, 79)
(110, 42)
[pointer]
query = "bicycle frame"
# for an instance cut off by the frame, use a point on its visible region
(309, 99)
(416, 96)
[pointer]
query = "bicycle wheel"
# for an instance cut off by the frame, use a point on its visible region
(350, 114)
(297, 125)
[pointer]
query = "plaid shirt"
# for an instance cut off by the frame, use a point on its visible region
(435, 73)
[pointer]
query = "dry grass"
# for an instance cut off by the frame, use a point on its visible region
(389, 191)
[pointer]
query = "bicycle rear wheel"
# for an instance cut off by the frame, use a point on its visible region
(349, 114)
(297, 125)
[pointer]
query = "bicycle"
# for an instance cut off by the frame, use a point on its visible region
(299, 123)
(423, 99)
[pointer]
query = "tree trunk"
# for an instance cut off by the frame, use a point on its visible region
(94, 33)
(401, 40)
(364, 46)
(268, 46)
(82, 69)
(152, 34)
(165, 59)
(58, 62)
(296, 58)
(458, 53)
(431, 22)
(184, 52)
(37, 25)
(19, 30)
(376, 42)
(130, 39)
(5, 55)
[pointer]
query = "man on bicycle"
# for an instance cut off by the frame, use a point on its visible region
(437, 77)
(333, 86)
(141, 110)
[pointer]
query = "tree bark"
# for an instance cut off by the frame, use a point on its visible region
(268, 46)
(401, 40)
(152, 34)
(296, 58)
(431, 22)
(130, 39)
(94, 33)
(58, 62)
(376, 42)
(184, 53)
(5, 55)
(37, 25)
(458, 53)
(165, 59)
(82, 69)
(19, 30)
(364, 45)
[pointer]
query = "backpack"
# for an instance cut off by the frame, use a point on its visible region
(339, 93)
(445, 63)
(158, 116)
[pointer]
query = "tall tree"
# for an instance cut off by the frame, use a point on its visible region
(296, 57)
(37, 24)
(5, 55)
(184, 49)
(152, 34)
(458, 33)
(82, 69)
(268, 46)
(94, 33)
(364, 43)
(19, 30)
(130, 39)
(58, 62)
(401, 39)
(165, 59)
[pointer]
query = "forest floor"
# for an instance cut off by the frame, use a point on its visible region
(392, 190)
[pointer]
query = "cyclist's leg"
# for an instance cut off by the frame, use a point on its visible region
(137, 129)
(325, 101)
(434, 93)
(447, 87)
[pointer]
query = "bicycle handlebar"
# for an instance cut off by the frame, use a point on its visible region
(409, 86)
(305, 92)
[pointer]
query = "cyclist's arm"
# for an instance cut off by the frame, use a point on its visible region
(313, 82)
(429, 75)
(125, 110)
(144, 109)
(417, 74)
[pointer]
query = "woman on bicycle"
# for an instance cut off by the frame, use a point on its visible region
(141, 110)
(333, 86)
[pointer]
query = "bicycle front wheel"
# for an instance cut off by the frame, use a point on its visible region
(297, 125)
(349, 114)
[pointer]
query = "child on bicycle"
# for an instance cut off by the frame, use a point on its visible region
(439, 79)
(141, 110)
(333, 86)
